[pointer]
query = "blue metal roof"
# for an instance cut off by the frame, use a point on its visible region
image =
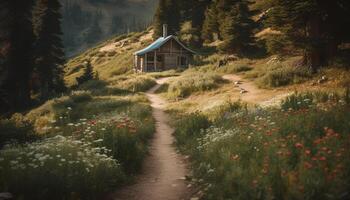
(158, 43)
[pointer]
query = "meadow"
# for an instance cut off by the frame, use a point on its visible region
(296, 151)
(80, 146)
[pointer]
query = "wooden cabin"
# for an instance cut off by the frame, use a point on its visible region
(165, 53)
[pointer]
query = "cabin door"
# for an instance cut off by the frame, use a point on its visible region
(160, 62)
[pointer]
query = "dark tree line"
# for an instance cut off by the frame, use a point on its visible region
(31, 52)
(316, 27)
(228, 20)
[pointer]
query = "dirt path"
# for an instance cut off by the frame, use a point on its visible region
(164, 170)
(251, 93)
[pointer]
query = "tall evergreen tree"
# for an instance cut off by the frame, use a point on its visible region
(317, 27)
(49, 49)
(16, 45)
(237, 29)
(211, 24)
(167, 12)
(87, 75)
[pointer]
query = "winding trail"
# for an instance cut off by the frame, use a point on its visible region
(256, 95)
(164, 171)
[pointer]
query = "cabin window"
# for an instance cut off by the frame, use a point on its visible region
(183, 60)
(159, 58)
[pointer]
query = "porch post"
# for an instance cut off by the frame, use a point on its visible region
(155, 60)
(146, 67)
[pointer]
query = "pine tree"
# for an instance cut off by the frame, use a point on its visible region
(167, 12)
(210, 25)
(87, 75)
(16, 51)
(159, 19)
(237, 30)
(316, 27)
(49, 49)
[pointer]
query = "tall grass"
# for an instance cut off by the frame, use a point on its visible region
(189, 83)
(272, 153)
(277, 76)
(58, 168)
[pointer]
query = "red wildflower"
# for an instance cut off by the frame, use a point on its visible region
(322, 158)
(299, 145)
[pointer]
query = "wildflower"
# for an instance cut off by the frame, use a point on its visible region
(307, 152)
(69, 108)
(254, 182)
(322, 158)
(308, 165)
(299, 145)
(70, 124)
(99, 140)
(63, 160)
(234, 157)
(338, 154)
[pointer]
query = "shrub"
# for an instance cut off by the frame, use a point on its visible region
(101, 88)
(281, 76)
(189, 83)
(16, 130)
(81, 96)
(235, 68)
(58, 168)
(189, 126)
(133, 83)
(297, 102)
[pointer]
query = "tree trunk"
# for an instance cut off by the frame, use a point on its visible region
(312, 55)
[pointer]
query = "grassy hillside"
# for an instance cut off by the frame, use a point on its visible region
(110, 58)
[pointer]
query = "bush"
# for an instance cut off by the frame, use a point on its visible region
(189, 126)
(189, 83)
(58, 168)
(101, 88)
(235, 68)
(16, 130)
(281, 76)
(133, 83)
(81, 96)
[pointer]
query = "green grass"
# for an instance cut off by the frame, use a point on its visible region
(278, 76)
(58, 168)
(80, 146)
(133, 83)
(191, 82)
(297, 153)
